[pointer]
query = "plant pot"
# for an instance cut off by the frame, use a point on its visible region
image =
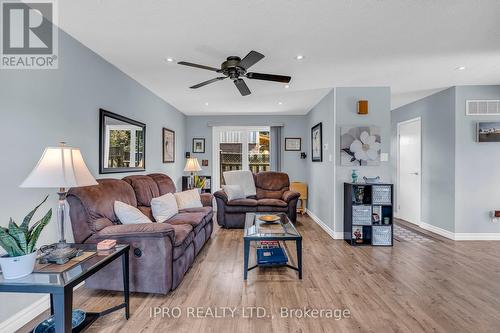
(17, 267)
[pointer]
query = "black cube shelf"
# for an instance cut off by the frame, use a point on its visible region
(368, 214)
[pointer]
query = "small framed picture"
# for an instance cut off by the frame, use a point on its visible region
(168, 146)
(293, 144)
(204, 163)
(317, 143)
(198, 145)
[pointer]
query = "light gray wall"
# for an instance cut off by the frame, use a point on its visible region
(294, 126)
(438, 154)
(39, 108)
(477, 168)
(379, 106)
(320, 178)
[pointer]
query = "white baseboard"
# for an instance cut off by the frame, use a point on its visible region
(440, 231)
(476, 236)
(459, 236)
(27, 314)
(326, 228)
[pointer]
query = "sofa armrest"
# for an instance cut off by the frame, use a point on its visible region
(290, 195)
(221, 195)
(142, 230)
(206, 199)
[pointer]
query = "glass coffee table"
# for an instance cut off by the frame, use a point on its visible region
(282, 230)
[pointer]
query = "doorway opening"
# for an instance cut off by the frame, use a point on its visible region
(409, 170)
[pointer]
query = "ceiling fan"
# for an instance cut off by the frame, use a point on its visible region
(235, 68)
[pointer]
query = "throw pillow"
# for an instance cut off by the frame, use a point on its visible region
(164, 207)
(129, 214)
(242, 178)
(188, 199)
(233, 192)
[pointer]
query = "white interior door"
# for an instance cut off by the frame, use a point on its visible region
(409, 170)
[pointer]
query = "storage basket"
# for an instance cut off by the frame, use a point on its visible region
(381, 195)
(361, 215)
(382, 235)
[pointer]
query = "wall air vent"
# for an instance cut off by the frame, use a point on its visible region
(482, 107)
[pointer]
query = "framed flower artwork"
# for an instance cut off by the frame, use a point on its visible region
(360, 146)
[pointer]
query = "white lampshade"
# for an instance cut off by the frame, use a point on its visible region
(60, 167)
(192, 165)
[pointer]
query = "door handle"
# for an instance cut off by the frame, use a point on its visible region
(414, 173)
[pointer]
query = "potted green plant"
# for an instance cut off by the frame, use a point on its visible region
(199, 183)
(19, 241)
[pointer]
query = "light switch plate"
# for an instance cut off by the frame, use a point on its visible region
(384, 157)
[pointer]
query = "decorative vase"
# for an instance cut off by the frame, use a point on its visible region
(17, 267)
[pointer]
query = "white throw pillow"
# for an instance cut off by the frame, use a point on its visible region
(233, 192)
(164, 207)
(129, 214)
(188, 199)
(242, 178)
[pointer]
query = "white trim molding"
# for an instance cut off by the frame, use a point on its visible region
(460, 236)
(24, 316)
(324, 226)
(440, 231)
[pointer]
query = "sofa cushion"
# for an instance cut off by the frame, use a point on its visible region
(240, 209)
(97, 203)
(243, 202)
(183, 237)
(271, 209)
(272, 202)
(207, 211)
(145, 189)
(196, 220)
(271, 185)
(164, 182)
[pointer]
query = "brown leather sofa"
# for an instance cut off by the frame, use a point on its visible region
(161, 253)
(272, 195)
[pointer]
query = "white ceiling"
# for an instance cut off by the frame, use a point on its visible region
(413, 46)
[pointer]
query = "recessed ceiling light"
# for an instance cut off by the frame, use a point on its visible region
(280, 103)
(169, 59)
(287, 86)
(299, 57)
(460, 68)
(206, 103)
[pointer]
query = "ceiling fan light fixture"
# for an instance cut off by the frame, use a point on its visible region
(299, 57)
(460, 68)
(287, 86)
(168, 59)
(280, 103)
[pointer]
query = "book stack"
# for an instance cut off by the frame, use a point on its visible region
(270, 253)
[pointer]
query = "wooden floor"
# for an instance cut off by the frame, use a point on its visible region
(442, 286)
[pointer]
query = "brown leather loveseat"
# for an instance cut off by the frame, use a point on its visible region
(161, 253)
(273, 195)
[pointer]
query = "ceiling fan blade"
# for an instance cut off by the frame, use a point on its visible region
(198, 66)
(208, 82)
(251, 59)
(269, 77)
(242, 87)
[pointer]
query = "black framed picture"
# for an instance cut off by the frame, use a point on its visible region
(317, 143)
(168, 144)
(293, 144)
(122, 143)
(198, 145)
